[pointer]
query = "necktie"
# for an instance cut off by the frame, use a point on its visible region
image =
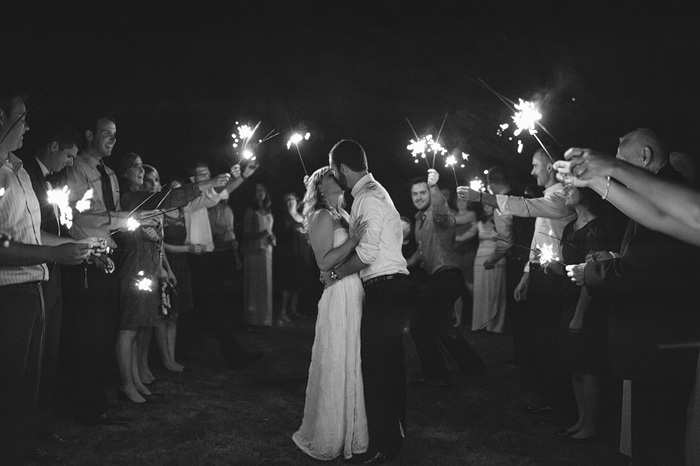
(106, 188)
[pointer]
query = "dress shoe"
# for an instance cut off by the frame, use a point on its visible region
(39, 456)
(106, 419)
(249, 358)
(581, 441)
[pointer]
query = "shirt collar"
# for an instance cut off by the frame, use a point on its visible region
(368, 178)
(91, 161)
(44, 171)
(554, 188)
(14, 162)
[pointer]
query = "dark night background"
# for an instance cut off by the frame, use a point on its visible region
(177, 78)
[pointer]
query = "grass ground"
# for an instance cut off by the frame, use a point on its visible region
(214, 416)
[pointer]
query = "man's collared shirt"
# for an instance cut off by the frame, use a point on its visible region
(435, 239)
(380, 246)
(552, 216)
(20, 217)
(95, 221)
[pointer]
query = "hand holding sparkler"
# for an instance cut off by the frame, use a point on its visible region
(575, 272)
(433, 177)
(470, 193)
(72, 253)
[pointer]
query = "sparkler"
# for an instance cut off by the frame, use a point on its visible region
(477, 185)
(145, 283)
(59, 197)
(547, 255)
(295, 139)
(245, 133)
(425, 145)
(2, 192)
(451, 161)
(130, 223)
(84, 203)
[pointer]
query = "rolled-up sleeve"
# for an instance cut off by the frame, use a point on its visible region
(552, 205)
(373, 214)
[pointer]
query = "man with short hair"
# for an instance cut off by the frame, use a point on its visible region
(388, 293)
(22, 271)
(438, 288)
(652, 286)
(60, 146)
(537, 287)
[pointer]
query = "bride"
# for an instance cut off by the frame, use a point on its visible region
(334, 415)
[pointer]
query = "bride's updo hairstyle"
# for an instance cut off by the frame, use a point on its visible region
(312, 201)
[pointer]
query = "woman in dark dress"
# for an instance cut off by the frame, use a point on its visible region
(293, 262)
(583, 324)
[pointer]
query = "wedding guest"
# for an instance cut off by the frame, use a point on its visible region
(466, 244)
(293, 259)
(59, 145)
(23, 267)
(652, 285)
(258, 241)
(439, 289)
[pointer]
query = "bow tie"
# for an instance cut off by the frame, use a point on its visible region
(53, 178)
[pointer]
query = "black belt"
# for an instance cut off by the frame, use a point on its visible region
(381, 278)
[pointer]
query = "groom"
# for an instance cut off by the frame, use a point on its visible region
(388, 293)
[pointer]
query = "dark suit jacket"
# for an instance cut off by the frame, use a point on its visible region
(49, 222)
(654, 298)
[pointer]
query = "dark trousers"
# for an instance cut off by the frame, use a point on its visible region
(213, 306)
(46, 402)
(384, 314)
(21, 337)
(431, 326)
(516, 312)
(544, 307)
(90, 325)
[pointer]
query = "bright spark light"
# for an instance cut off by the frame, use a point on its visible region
(425, 145)
(526, 117)
(465, 156)
(296, 138)
(248, 154)
(547, 255)
(59, 197)
(477, 185)
(2, 192)
(450, 161)
(520, 146)
(132, 224)
(144, 284)
(84, 204)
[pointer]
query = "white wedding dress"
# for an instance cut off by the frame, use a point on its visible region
(334, 421)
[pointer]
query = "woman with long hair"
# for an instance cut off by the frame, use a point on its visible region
(334, 421)
(141, 261)
(258, 241)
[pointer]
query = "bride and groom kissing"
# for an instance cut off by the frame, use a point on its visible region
(356, 390)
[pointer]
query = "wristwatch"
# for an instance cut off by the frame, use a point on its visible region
(334, 275)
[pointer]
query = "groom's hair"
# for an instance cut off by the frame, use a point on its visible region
(350, 153)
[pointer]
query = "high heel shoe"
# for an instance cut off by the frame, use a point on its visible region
(124, 397)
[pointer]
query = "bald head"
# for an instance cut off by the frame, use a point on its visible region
(643, 148)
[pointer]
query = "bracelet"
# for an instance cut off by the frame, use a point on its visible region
(607, 188)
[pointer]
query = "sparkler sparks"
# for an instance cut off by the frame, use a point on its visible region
(450, 161)
(477, 185)
(132, 224)
(59, 197)
(145, 283)
(547, 255)
(84, 204)
(2, 192)
(295, 139)
(424, 146)
(526, 117)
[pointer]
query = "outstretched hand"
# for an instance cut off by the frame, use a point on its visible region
(465, 192)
